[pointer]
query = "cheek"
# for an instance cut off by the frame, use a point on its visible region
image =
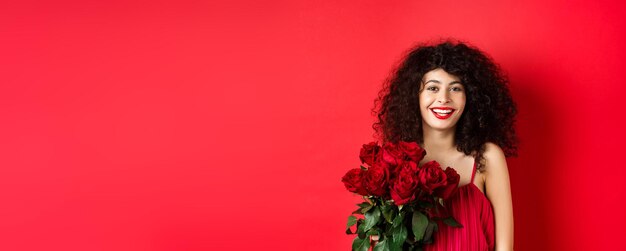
(462, 110)
(461, 100)
(422, 105)
(424, 100)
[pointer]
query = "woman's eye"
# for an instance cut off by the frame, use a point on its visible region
(431, 88)
(457, 89)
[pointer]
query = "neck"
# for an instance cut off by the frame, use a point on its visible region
(438, 141)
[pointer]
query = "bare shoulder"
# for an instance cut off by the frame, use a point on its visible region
(495, 160)
(493, 149)
(495, 168)
(496, 174)
(498, 191)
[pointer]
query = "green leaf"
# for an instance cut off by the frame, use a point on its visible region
(360, 232)
(358, 211)
(351, 221)
(364, 204)
(398, 236)
(360, 244)
(371, 218)
(388, 213)
(429, 231)
(372, 231)
(399, 219)
(452, 222)
(393, 247)
(366, 209)
(419, 223)
(382, 246)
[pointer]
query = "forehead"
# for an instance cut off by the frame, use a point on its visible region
(440, 76)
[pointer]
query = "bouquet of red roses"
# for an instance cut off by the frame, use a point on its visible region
(402, 200)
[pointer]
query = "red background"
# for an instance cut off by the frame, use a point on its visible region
(169, 125)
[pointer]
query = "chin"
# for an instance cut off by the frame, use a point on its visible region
(442, 127)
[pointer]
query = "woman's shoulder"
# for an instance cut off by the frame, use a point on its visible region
(494, 158)
(492, 149)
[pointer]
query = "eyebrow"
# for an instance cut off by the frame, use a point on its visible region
(438, 82)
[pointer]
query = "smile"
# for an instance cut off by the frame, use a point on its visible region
(442, 112)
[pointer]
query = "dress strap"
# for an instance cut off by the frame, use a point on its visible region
(473, 171)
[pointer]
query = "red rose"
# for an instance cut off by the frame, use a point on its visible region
(384, 164)
(431, 176)
(391, 154)
(368, 153)
(375, 180)
(405, 184)
(353, 180)
(412, 150)
(452, 183)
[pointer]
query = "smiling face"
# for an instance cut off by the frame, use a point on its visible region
(441, 99)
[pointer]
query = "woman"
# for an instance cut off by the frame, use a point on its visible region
(454, 101)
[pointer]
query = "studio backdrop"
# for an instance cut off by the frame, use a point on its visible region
(227, 125)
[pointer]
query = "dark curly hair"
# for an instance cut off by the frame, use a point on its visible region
(489, 114)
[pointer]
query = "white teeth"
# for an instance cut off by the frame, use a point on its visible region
(442, 111)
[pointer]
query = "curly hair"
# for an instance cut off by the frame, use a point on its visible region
(489, 114)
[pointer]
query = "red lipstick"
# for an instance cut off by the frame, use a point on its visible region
(445, 116)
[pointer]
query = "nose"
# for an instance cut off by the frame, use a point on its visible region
(444, 97)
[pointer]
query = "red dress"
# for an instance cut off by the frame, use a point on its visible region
(470, 207)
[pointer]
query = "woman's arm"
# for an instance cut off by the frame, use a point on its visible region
(498, 190)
